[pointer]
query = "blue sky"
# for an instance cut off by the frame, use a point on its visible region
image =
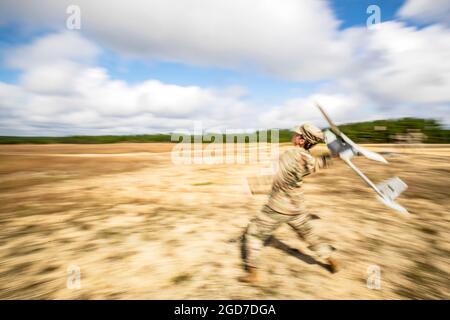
(350, 12)
(307, 50)
(353, 12)
(261, 86)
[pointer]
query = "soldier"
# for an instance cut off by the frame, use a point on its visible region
(286, 203)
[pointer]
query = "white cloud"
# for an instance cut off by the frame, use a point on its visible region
(54, 78)
(341, 108)
(426, 11)
(396, 71)
(72, 95)
(291, 39)
(50, 64)
(53, 48)
(391, 71)
(399, 64)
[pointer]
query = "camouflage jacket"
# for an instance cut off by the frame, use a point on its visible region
(286, 196)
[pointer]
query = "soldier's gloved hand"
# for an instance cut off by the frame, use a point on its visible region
(335, 144)
(334, 149)
(333, 153)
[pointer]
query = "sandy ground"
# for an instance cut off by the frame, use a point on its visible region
(137, 226)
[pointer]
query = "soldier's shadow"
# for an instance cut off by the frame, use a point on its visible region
(275, 243)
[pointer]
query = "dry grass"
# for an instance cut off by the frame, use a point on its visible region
(140, 227)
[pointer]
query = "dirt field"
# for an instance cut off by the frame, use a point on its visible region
(138, 226)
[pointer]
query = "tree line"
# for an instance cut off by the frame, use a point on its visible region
(378, 131)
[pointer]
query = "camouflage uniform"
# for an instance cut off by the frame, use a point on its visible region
(286, 205)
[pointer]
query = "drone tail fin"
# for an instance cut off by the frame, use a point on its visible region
(390, 189)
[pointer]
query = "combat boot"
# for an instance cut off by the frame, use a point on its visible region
(333, 265)
(251, 277)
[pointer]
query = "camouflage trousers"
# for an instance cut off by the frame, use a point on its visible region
(267, 221)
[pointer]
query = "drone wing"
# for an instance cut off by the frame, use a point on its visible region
(387, 191)
(333, 127)
(360, 150)
(356, 149)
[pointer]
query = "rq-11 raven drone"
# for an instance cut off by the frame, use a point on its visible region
(340, 144)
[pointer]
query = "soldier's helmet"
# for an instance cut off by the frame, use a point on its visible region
(310, 133)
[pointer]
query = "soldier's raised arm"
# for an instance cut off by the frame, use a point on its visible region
(314, 164)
